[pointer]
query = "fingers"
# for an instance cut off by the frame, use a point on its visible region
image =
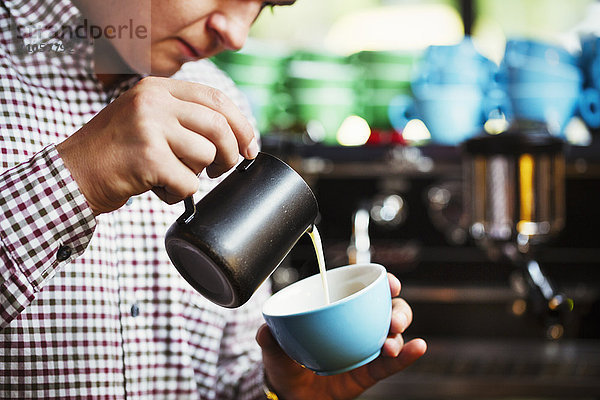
(273, 354)
(156, 136)
(266, 341)
(383, 367)
(401, 311)
(392, 345)
(201, 125)
(394, 285)
(176, 180)
(401, 320)
(401, 316)
(217, 101)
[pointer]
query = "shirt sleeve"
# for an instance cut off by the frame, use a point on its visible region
(240, 359)
(45, 222)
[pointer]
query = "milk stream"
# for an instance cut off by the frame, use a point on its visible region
(316, 240)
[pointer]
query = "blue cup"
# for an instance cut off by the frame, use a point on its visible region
(590, 60)
(590, 48)
(594, 77)
(589, 107)
(463, 52)
(467, 74)
(589, 101)
(551, 103)
(401, 109)
(450, 93)
(543, 82)
(523, 51)
(536, 71)
(335, 338)
(452, 113)
(455, 64)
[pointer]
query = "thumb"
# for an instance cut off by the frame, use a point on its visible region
(272, 352)
(278, 366)
(267, 342)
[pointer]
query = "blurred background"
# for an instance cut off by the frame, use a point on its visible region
(456, 143)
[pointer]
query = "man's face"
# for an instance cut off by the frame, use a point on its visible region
(177, 31)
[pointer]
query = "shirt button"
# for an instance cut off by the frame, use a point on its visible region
(135, 310)
(64, 252)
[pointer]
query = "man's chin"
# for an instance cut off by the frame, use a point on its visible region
(166, 67)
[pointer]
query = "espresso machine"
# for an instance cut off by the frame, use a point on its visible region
(514, 203)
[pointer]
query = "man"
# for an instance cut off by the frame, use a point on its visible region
(90, 306)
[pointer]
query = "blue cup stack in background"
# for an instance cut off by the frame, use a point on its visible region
(452, 89)
(453, 93)
(589, 103)
(543, 82)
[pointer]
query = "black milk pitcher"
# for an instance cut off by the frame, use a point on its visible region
(228, 243)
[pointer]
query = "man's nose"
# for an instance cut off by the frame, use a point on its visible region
(232, 30)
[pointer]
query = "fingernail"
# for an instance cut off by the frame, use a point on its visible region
(253, 149)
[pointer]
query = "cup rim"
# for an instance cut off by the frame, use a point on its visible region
(274, 297)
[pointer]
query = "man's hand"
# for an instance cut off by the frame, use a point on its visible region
(157, 136)
(293, 382)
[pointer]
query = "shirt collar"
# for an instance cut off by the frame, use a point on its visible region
(36, 20)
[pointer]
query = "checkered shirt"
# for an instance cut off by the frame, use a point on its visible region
(90, 307)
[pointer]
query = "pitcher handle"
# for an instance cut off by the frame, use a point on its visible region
(190, 211)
